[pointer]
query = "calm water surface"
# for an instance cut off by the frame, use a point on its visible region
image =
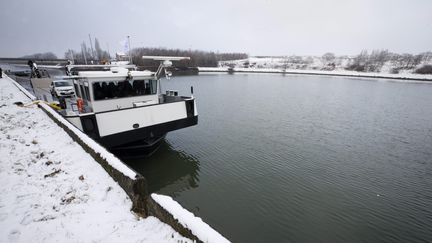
(302, 158)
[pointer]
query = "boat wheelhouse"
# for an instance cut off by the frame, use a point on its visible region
(125, 111)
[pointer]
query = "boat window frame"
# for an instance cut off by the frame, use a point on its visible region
(152, 83)
(77, 89)
(82, 92)
(153, 86)
(87, 95)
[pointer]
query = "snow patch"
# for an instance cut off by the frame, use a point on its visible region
(392, 66)
(202, 230)
(26, 92)
(109, 157)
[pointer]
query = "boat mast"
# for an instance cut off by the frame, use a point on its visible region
(130, 56)
(91, 47)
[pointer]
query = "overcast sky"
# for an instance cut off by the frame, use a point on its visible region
(257, 27)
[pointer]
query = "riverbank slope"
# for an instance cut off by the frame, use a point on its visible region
(53, 191)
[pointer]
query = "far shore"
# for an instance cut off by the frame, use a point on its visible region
(341, 73)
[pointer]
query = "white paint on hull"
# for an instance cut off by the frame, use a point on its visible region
(123, 120)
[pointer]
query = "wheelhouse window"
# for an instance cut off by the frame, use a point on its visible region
(77, 91)
(82, 89)
(128, 88)
(86, 91)
(82, 92)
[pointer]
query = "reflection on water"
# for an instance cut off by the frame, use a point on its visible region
(168, 171)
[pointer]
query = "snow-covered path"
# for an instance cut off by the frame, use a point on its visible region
(51, 190)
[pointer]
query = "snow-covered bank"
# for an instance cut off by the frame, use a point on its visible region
(401, 76)
(53, 191)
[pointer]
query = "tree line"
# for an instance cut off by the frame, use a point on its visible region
(373, 62)
(197, 58)
(41, 56)
(363, 62)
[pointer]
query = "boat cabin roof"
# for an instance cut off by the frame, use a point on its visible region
(93, 75)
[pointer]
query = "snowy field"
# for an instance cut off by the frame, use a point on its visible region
(400, 76)
(319, 63)
(53, 191)
(318, 66)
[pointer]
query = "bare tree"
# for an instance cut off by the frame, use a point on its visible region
(102, 55)
(328, 57)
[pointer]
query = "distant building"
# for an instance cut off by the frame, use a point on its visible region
(121, 56)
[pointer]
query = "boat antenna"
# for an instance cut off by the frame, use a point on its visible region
(165, 62)
(109, 54)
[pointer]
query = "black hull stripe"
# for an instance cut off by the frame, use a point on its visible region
(146, 133)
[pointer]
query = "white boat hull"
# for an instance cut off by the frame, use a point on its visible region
(138, 128)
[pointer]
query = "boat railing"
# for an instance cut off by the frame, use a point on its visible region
(170, 99)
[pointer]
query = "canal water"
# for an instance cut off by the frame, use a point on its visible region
(302, 158)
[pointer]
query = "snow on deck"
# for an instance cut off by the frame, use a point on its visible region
(53, 191)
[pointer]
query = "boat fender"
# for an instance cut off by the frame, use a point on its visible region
(56, 106)
(80, 105)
